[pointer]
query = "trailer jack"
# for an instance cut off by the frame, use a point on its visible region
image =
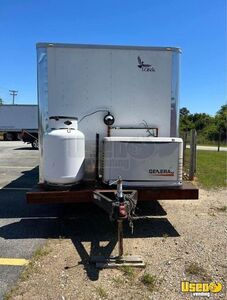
(120, 205)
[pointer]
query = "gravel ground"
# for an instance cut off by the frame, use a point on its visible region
(187, 243)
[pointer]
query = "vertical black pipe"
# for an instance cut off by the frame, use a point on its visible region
(108, 130)
(120, 237)
(219, 140)
(97, 158)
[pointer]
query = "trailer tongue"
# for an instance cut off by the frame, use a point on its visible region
(120, 206)
(118, 203)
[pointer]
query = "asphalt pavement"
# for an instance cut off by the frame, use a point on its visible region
(23, 227)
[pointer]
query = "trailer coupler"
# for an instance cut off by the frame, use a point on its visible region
(120, 205)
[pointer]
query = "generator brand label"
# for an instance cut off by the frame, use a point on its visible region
(144, 67)
(161, 172)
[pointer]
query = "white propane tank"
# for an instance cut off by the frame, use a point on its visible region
(63, 152)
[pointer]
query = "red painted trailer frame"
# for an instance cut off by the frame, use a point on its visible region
(84, 193)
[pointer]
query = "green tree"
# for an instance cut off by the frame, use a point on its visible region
(185, 120)
(184, 112)
(201, 121)
(209, 128)
(1, 101)
(211, 132)
(221, 122)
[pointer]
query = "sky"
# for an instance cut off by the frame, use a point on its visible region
(198, 27)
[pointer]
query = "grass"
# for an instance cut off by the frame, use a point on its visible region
(165, 235)
(197, 270)
(41, 251)
(194, 269)
(9, 295)
(101, 292)
(118, 280)
(211, 168)
(150, 281)
(127, 271)
(31, 267)
(201, 140)
(222, 209)
(28, 270)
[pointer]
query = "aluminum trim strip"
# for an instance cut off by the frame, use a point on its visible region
(62, 45)
(174, 114)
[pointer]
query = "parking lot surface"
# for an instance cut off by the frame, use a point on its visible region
(171, 236)
(19, 233)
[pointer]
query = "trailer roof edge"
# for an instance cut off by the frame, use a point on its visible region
(100, 46)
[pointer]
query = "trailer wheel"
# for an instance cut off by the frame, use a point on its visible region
(9, 136)
(35, 144)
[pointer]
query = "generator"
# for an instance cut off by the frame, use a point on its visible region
(143, 161)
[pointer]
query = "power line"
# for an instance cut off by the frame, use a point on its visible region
(13, 93)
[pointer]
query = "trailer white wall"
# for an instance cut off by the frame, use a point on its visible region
(14, 118)
(75, 80)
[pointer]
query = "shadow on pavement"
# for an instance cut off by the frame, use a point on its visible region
(79, 222)
(93, 226)
(28, 180)
(13, 198)
(29, 147)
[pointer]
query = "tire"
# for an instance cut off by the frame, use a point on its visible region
(9, 136)
(35, 144)
(19, 138)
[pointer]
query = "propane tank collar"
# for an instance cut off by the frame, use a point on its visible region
(62, 117)
(67, 128)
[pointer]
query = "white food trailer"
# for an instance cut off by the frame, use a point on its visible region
(108, 121)
(138, 86)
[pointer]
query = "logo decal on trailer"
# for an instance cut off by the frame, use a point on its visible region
(144, 67)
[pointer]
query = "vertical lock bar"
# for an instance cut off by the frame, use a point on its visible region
(120, 237)
(119, 188)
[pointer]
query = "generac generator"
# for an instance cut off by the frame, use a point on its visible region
(143, 161)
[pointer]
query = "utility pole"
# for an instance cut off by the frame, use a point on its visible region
(13, 93)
